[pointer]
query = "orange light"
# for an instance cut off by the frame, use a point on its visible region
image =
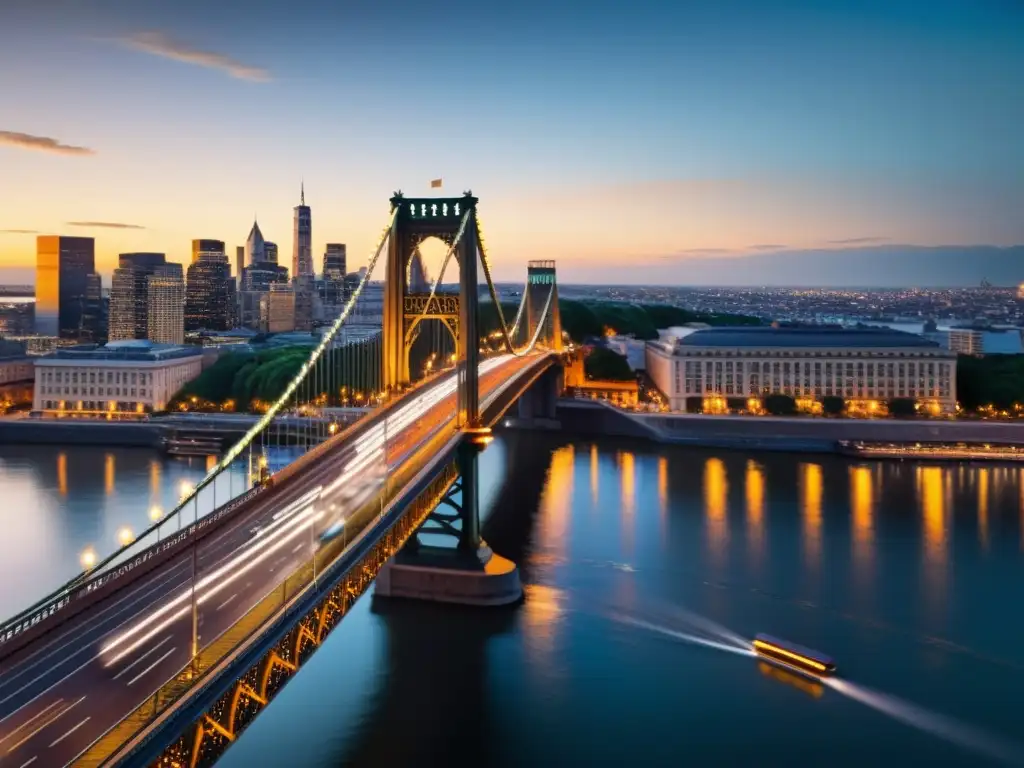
(770, 648)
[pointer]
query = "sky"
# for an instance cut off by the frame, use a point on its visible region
(622, 139)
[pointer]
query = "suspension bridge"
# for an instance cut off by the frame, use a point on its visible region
(164, 651)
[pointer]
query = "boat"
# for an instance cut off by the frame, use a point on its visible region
(793, 657)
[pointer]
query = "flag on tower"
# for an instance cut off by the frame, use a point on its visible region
(435, 184)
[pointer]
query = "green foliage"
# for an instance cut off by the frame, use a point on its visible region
(605, 364)
(780, 405)
(244, 377)
(736, 404)
(996, 380)
(901, 407)
(833, 405)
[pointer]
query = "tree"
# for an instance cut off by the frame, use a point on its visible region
(736, 404)
(833, 405)
(780, 405)
(902, 407)
(605, 364)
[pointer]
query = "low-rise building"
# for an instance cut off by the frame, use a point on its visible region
(124, 377)
(16, 375)
(862, 366)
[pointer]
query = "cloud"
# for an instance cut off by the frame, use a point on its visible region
(19, 232)
(159, 44)
(703, 251)
(858, 240)
(41, 144)
(104, 224)
(766, 247)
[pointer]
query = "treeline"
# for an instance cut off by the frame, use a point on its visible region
(992, 380)
(243, 380)
(584, 319)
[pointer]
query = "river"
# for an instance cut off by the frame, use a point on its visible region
(646, 572)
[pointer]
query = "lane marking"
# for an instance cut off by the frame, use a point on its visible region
(298, 546)
(31, 720)
(48, 723)
(147, 653)
(222, 605)
(42, 693)
(58, 741)
(151, 667)
(29, 761)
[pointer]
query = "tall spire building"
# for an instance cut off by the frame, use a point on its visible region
(302, 265)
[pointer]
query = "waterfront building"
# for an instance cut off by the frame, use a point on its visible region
(270, 253)
(17, 372)
(166, 310)
(17, 316)
(129, 295)
(65, 305)
(633, 349)
(123, 377)
(865, 367)
(279, 309)
(985, 340)
(210, 289)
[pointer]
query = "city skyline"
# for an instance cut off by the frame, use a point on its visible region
(701, 138)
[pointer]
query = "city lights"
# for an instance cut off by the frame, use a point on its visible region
(88, 558)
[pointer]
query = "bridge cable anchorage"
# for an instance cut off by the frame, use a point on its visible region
(506, 333)
(94, 577)
(440, 275)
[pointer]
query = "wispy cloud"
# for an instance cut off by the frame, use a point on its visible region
(766, 247)
(858, 240)
(159, 44)
(19, 232)
(104, 225)
(703, 251)
(41, 144)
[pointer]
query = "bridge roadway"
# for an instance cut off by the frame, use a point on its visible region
(60, 694)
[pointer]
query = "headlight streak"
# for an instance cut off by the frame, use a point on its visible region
(278, 535)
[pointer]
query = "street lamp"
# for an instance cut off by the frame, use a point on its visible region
(155, 513)
(185, 489)
(125, 536)
(88, 558)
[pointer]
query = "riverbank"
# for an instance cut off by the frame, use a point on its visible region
(777, 433)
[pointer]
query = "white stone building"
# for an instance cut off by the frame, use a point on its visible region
(860, 365)
(124, 377)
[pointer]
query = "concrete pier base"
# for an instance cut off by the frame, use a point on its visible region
(450, 576)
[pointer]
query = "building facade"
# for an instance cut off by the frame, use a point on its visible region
(255, 246)
(166, 311)
(210, 289)
(64, 304)
(278, 309)
(129, 295)
(124, 377)
(863, 366)
(17, 371)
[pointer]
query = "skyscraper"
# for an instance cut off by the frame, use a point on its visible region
(210, 292)
(255, 250)
(302, 265)
(63, 266)
(239, 263)
(333, 295)
(419, 280)
(92, 325)
(302, 251)
(129, 302)
(270, 251)
(166, 310)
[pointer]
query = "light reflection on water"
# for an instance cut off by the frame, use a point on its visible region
(834, 554)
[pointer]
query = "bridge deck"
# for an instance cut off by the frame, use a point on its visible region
(62, 692)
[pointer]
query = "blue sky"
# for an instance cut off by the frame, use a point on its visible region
(606, 135)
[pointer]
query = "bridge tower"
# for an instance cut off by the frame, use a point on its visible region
(540, 283)
(416, 220)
